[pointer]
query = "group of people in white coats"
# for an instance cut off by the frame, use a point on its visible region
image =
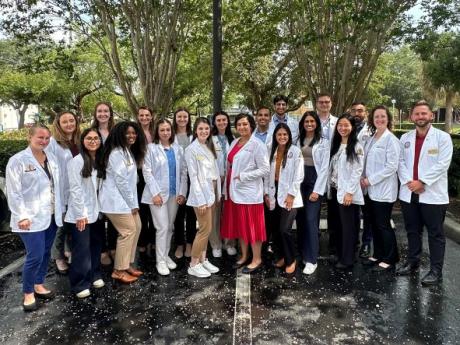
(248, 189)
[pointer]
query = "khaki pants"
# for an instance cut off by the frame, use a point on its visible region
(205, 223)
(129, 228)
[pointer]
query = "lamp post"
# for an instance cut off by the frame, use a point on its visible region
(393, 101)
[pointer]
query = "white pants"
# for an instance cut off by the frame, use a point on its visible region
(163, 218)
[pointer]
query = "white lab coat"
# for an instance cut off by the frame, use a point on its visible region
(290, 178)
(349, 176)
(293, 125)
(382, 161)
(29, 191)
(82, 193)
(434, 161)
(251, 165)
(332, 122)
(364, 134)
(321, 152)
(63, 157)
(221, 159)
(156, 173)
(118, 192)
(199, 168)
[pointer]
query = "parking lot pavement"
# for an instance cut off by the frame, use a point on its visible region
(359, 307)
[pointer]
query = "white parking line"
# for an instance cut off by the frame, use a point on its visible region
(242, 325)
(12, 267)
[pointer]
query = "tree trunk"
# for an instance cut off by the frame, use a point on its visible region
(449, 108)
(22, 114)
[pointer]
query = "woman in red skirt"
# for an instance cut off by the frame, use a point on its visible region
(243, 215)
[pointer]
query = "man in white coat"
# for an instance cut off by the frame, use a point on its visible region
(426, 153)
(280, 103)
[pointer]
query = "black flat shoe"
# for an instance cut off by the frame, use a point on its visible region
(237, 265)
(370, 262)
(406, 269)
(341, 266)
(44, 296)
(431, 278)
(30, 307)
(378, 268)
(247, 270)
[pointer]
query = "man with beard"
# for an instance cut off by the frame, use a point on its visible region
(426, 153)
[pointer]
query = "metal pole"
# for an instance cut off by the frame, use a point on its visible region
(217, 55)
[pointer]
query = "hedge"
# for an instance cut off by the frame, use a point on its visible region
(9, 147)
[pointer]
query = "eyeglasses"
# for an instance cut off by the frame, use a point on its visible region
(94, 139)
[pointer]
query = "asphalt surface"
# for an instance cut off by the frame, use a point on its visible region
(329, 307)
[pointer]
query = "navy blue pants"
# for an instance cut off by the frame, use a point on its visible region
(86, 255)
(308, 218)
(38, 248)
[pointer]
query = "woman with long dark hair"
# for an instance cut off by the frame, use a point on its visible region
(243, 216)
(315, 151)
(222, 137)
(282, 194)
(64, 145)
(204, 176)
(344, 192)
(166, 186)
(185, 223)
(380, 184)
(82, 216)
(124, 151)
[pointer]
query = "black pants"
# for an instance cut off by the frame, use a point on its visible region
(416, 215)
(366, 237)
(148, 231)
(184, 232)
(384, 238)
(283, 234)
(86, 255)
(342, 226)
(109, 236)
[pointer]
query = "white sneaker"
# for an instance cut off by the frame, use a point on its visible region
(198, 271)
(170, 263)
(162, 268)
(231, 251)
(83, 294)
(217, 253)
(98, 283)
(309, 268)
(209, 266)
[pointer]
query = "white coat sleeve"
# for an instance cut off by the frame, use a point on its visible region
(262, 165)
(120, 173)
(436, 171)
(76, 190)
(297, 176)
(356, 167)
(147, 171)
(392, 153)
(195, 185)
(403, 173)
(323, 172)
(14, 171)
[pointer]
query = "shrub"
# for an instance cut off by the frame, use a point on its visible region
(7, 149)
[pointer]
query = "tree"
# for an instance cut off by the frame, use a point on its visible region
(141, 41)
(398, 76)
(338, 42)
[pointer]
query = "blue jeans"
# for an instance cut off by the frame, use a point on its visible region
(38, 247)
(308, 218)
(86, 255)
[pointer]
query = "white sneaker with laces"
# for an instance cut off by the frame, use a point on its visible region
(309, 268)
(217, 253)
(231, 251)
(162, 268)
(98, 283)
(83, 294)
(170, 263)
(198, 271)
(209, 266)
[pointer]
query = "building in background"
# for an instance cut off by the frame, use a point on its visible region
(9, 117)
